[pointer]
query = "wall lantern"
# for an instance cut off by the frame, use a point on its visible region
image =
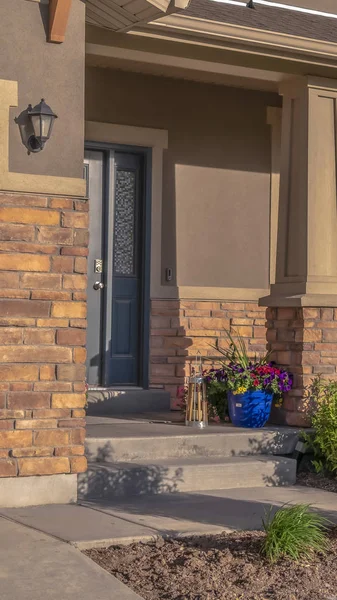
(42, 120)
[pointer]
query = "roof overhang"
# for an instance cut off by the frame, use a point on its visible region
(241, 39)
(122, 15)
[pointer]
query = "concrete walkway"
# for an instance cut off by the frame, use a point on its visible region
(34, 566)
(99, 524)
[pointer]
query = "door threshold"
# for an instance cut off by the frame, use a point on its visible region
(116, 388)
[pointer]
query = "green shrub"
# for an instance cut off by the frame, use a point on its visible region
(217, 399)
(322, 396)
(294, 532)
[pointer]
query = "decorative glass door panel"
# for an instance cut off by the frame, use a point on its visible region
(124, 227)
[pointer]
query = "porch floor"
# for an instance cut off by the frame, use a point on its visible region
(167, 424)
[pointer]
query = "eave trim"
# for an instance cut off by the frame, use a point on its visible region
(246, 36)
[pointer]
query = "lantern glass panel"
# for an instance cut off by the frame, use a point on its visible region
(46, 126)
(42, 125)
(36, 122)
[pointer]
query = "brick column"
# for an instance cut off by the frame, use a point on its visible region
(43, 249)
(302, 330)
(304, 340)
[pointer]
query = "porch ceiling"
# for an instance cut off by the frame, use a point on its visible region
(121, 15)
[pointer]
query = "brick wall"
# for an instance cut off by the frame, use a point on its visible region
(181, 328)
(43, 250)
(304, 340)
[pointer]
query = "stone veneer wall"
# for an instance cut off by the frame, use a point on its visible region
(181, 328)
(43, 265)
(305, 341)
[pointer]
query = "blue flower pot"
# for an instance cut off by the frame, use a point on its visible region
(251, 409)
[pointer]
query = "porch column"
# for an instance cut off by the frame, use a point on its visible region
(302, 318)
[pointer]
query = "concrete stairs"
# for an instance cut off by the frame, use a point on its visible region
(129, 458)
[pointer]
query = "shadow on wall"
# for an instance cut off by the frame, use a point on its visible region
(25, 127)
(44, 12)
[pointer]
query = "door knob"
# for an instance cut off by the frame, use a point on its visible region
(98, 285)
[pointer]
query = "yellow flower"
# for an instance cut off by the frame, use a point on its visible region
(240, 390)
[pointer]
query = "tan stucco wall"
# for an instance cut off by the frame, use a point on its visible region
(216, 194)
(52, 71)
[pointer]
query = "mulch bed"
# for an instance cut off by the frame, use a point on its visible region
(219, 567)
(316, 480)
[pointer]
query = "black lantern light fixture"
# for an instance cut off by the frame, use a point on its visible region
(42, 120)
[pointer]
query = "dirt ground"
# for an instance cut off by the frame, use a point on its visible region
(329, 484)
(221, 567)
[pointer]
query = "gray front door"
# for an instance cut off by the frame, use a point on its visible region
(116, 186)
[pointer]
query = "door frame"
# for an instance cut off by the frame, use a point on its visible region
(145, 300)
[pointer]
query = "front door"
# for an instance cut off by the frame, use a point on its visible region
(116, 265)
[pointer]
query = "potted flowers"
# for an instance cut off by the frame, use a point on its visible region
(250, 385)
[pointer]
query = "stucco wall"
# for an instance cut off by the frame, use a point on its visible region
(216, 195)
(52, 71)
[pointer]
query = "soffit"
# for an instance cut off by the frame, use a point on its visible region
(122, 15)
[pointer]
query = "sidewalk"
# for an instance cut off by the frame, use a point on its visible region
(35, 566)
(142, 518)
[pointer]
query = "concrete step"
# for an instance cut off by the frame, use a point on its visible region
(124, 441)
(113, 401)
(117, 480)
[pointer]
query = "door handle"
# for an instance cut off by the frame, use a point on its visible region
(98, 285)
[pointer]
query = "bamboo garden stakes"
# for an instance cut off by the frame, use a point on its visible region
(197, 409)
